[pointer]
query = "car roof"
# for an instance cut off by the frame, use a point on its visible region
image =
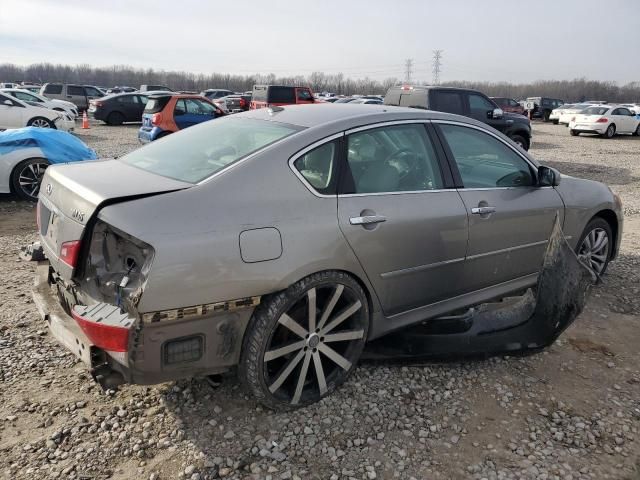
(348, 115)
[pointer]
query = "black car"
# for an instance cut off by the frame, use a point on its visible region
(462, 101)
(118, 108)
(541, 107)
(215, 93)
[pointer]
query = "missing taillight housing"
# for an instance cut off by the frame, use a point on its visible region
(69, 252)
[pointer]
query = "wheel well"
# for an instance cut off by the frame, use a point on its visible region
(610, 217)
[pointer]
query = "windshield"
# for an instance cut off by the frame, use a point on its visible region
(595, 111)
(200, 151)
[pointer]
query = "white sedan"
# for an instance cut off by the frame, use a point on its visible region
(605, 120)
(57, 105)
(15, 113)
(564, 114)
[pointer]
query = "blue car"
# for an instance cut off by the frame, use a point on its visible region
(167, 112)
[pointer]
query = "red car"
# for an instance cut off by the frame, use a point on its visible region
(508, 105)
(275, 95)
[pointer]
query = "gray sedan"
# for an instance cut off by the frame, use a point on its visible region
(279, 241)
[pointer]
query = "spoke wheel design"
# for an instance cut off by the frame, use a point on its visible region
(27, 178)
(315, 336)
(594, 250)
(40, 123)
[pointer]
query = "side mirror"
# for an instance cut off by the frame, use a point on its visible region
(496, 113)
(548, 177)
(8, 103)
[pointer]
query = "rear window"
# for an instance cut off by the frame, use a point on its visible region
(53, 89)
(595, 111)
(155, 105)
(282, 95)
(198, 152)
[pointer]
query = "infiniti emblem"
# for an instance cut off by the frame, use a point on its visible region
(49, 189)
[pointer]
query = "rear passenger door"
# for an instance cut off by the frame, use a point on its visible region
(399, 213)
(510, 217)
(450, 101)
(75, 94)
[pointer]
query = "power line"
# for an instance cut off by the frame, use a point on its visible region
(408, 69)
(437, 64)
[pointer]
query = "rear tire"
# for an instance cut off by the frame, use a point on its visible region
(302, 343)
(27, 176)
(555, 122)
(637, 132)
(41, 122)
(611, 131)
(115, 118)
(574, 133)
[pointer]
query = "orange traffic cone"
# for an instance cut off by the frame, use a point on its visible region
(85, 121)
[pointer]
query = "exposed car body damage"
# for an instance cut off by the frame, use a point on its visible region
(530, 321)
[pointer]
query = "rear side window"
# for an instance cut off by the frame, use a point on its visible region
(484, 161)
(155, 105)
(318, 168)
(75, 90)
(127, 99)
(398, 158)
(53, 89)
(281, 95)
(450, 102)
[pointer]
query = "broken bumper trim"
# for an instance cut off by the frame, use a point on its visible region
(62, 326)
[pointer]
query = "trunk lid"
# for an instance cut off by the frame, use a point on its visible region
(71, 195)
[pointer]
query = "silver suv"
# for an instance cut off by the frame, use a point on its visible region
(80, 95)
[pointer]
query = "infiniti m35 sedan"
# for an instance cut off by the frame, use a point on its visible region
(279, 241)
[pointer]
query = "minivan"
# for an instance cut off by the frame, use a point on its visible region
(80, 95)
(275, 95)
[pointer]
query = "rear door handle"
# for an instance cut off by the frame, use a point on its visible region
(367, 220)
(483, 210)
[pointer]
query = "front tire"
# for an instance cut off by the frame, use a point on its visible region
(545, 116)
(521, 141)
(594, 246)
(555, 122)
(302, 343)
(41, 122)
(27, 176)
(637, 132)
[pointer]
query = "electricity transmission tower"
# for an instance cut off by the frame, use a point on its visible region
(408, 70)
(437, 64)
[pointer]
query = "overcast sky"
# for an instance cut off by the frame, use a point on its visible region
(495, 40)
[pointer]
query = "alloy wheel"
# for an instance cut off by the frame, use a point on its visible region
(30, 177)
(40, 123)
(594, 250)
(314, 344)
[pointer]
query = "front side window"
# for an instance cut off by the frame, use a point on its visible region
(202, 150)
(398, 158)
(198, 107)
(93, 92)
(480, 106)
(450, 102)
(317, 168)
(484, 161)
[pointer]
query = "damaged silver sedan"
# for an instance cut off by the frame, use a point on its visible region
(280, 241)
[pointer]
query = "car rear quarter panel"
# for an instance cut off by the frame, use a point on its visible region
(196, 234)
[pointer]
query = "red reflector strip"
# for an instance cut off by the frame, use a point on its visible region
(107, 337)
(69, 252)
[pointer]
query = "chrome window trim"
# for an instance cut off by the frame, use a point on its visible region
(302, 153)
(408, 192)
(385, 124)
(475, 127)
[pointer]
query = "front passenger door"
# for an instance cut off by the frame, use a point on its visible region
(510, 217)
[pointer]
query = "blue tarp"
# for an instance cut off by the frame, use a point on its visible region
(56, 146)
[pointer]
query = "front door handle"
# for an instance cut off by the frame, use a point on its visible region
(483, 210)
(367, 220)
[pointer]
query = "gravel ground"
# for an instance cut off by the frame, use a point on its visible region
(570, 412)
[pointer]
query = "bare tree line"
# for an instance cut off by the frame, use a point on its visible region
(569, 90)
